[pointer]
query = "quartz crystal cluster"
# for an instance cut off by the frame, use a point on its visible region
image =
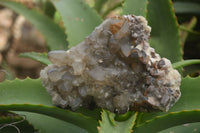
(113, 68)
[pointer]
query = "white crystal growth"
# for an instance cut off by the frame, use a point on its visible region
(113, 68)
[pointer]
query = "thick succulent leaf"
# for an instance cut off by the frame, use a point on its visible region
(47, 124)
(187, 8)
(188, 25)
(189, 100)
(29, 95)
(95, 113)
(40, 57)
(123, 117)
(190, 93)
(79, 19)
(99, 5)
(191, 70)
(165, 36)
(112, 8)
(54, 35)
(185, 63)
(185, 128)
(109, 125)
(168, 120)
(190, 31)
(12, 124)
(135, 7)
(65, 115)
(49, 9)
(24, 91)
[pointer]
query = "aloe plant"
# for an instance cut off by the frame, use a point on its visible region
(31, 104)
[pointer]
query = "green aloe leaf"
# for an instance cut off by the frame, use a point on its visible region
(24, 91)
(65, 115)
(190, 93)
(123, 117)
(110, 125)
(185, 128)
(54, 35)
(29, 95)
(168, 120)
(99, 5)
(47, 124)
(13, 124)
(189, 30)
(187, 8)
(49, 9)
(79, 19)
(112, 8)
(40, 57)
(185, 63)
(165, 36)
(189, 100)
(189, 26)
(135, 7)
(95, 113)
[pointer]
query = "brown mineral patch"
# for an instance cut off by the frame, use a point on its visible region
(114, 28)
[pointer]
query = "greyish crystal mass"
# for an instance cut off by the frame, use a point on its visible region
(113, 68)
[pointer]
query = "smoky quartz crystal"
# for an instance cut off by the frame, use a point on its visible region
(113, 68)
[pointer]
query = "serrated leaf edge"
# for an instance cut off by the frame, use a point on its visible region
(140, 126)
(53, 111)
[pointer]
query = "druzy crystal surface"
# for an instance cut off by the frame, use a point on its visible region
(113, 68)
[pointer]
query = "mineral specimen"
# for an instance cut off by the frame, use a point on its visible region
(113, 68)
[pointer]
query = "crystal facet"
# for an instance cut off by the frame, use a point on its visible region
(113, 68)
